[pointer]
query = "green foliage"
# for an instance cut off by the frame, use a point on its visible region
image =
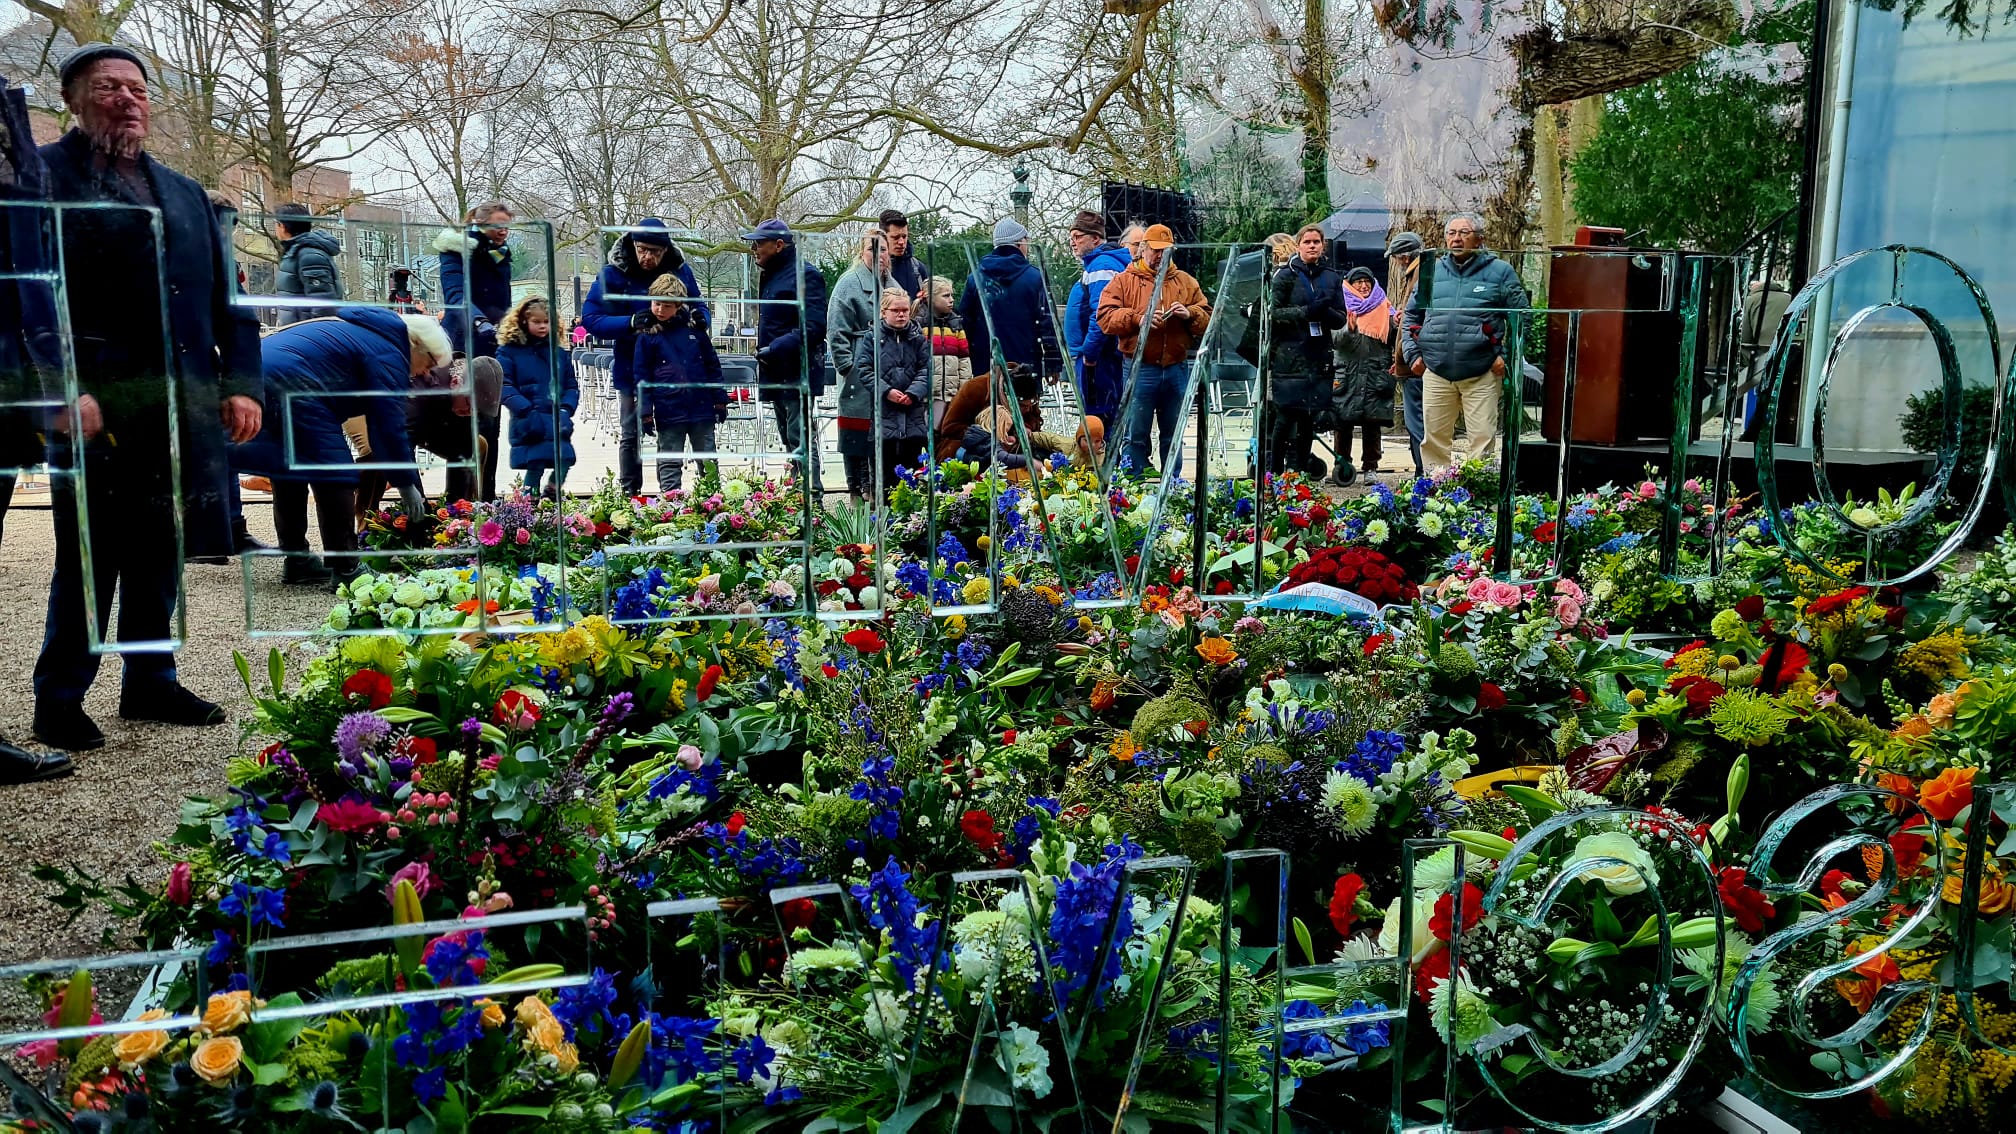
(1702, 157)
(1246, 192)
(1923, 421)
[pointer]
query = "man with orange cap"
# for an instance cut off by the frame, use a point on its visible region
(1158, 344)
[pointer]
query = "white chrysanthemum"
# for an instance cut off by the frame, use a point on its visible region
(1377, 531)
(1431, 526)
(1023, 1056)
(1473, 1013)
(884, 1017)
(1349, 803)
(806, 961)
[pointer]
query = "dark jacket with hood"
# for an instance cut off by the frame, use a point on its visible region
(607, 310)
(319, 374)
(679, 372)
(530, 393)
(1307, 304)
(1006, 300)
(785, 347)
(308, 267)
(1455, 323)
(898, 360)
(474, 268)
(115, 273)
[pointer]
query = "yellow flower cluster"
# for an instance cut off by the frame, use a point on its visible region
(1954, 1074)
(544, 1034)
(1812, 584)
(1694, 663)
(745, 656)
(1941, 657)
(1122, 748)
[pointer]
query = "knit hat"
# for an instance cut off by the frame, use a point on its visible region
(1089, 223)
(667, 286)
(1361, 273)
(89, 53)
(1008, 231)
(651, 233)
(1405, 244)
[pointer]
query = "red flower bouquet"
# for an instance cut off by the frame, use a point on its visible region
(1358, 569)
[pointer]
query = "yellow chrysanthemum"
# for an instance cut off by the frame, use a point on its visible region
(977, 590)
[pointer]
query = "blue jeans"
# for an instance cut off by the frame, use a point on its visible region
(1157, 399)
(1410, 412)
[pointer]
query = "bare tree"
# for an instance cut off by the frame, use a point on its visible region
(86, 21)
(201, 124)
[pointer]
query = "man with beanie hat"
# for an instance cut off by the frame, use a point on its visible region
(129, 293)
(1403, 273)
(617, 308)
(1095, 352)
(1007, 311)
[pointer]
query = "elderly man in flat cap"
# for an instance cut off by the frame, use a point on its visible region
(150, 309)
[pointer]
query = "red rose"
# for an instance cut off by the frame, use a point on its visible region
(1444, 918)
(864, 639)
(1373, 643)
(1008, 736)
(1319, 513)
(1222, 587)
(1544, 533)
(709, 678)
(1344, 903)
(1298, 520)
(1700, 693)
(1176, 576)
(604, 528)
(1133, 564)
(1830, 884)
(1746, 903)
(825, 587)
(858, 580)
(798, 913)
(978, 827)
(1893, 616)
(374, 687)
(1750, 608)
(1489, 697)
(515, 710)
(1578, 695)
(1432, 970)
(736, 822)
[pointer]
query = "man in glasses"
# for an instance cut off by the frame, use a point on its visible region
(1454, 337)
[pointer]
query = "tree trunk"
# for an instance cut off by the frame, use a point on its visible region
(1314, 83)
(1548, 172)
(1585, 118)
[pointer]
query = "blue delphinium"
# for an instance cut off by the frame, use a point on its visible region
(257, 903)
(1374, 755)
(889, 907)
(875, 788)
(1079, 917)
(454, 959)
(585, 1007)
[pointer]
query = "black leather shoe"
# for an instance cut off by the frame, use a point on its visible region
(20, 766)
(307, 571)
(242, 541)
(67, 727)
(172, 705)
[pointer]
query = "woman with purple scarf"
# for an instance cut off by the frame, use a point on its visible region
(1361, 389)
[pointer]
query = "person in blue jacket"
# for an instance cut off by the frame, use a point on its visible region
(679, 378)
(790, 333)
(1007, 302)
(1095, 353)
(541, 402)
(616, 310)
(475, 294)
(359, 362)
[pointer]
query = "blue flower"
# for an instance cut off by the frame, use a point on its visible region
(585, 1006)
(752, 1058)
(255, 902)
(1363, 1037)
(914, 578)
(1080, 916)
(1374, 755)
(1620, 543)
(452, 958)
(950, 551)
(1384, 497)
(222, 948)
(889, 906)
(431, 1086)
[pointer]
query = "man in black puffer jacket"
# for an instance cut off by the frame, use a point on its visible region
(1454, 338)
(307, 263)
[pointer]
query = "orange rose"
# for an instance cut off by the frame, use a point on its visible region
(227, 1012)
(1217, 651)
(568, 1057)
(1903, 786)
(135, 1048)
(1939, 711)
(1996, 895)
(216, 1059)
(493, 1013)
(1948, 794)
(547, 1034)
(531, 1010)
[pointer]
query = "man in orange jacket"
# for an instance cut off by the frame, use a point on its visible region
(1159, 360)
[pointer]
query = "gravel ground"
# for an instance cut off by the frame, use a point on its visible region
(125, 796)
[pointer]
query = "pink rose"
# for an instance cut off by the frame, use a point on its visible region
(1479, 590)
(1503, 594)
(1648, 490)
(491, 534)
(1567, 612)
(180, 883)
(690, 757)
(1692, 485)
(737, 522)
(1568, 588)
(418, 873)
(522, 537)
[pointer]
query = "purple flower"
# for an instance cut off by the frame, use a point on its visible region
(358, 734)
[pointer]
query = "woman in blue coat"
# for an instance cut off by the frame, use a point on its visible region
(541, 402)
(359, 362)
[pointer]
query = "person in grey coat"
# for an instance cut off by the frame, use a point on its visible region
(897, 357)
(307, 263)
(851, 316)
(1454, 337)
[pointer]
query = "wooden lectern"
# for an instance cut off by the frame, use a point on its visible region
(1627, 350)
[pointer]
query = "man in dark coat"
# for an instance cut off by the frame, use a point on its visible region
(636, 261)
(475, 294)
(790, 334)
(910, 273)
(120, 423)
(1453, 337)
(307, 262)
(1307, 303)
(1006, 302)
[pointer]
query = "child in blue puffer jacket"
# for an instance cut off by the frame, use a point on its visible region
(678, 375)
(542, 408)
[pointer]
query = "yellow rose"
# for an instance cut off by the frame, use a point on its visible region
(217, 1058)
(547, 1034)
(227, 1012)
(531, 1010)
(135, 1048)
(568, 1057)
(493, 1013)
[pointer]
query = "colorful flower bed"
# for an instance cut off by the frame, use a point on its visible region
(1105, 847)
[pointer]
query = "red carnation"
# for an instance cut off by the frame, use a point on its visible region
(1176, 576)
(604, 528)
(1489, 697)
(709, 678)
(1432, 970)
(374, 687)
(736, 822)
(1700, 693)
(978, 827)
(1344, 903)
(864, 639)
(798, 913)
(1544, 533)
(1783, 662)
(1746, 903)
(825, 587)
(1444, 918)
(1222, 587)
